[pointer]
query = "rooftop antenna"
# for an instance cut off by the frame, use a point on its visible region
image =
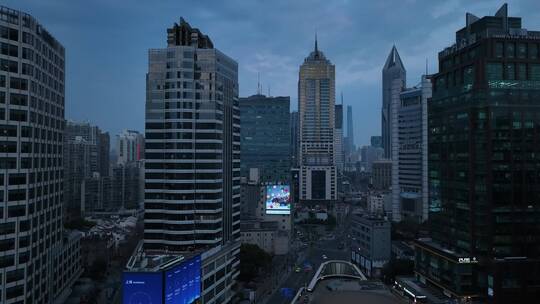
(341, 97)
(258, 83)
(426, 66)
(269, 91)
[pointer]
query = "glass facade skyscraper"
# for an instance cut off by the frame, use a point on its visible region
(484, 174)
(265, 137)
(394, 80)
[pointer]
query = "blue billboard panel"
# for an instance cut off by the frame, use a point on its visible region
(142, 287)
(278, 199)
(183, 282)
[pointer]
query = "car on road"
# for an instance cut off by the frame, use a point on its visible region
(324, 257)
(297, 269)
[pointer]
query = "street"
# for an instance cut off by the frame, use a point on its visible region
(313, 255)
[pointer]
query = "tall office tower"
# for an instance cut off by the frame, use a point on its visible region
(376, 141)
(484, 176)
(338, 135)
(265, 137)
(104, 150)
(295, 139)
(409, 145)
(316, 100)
(100, 141)
(33, 267)
(129, 147)
(349, 139)
(393, 70)
(192, 169)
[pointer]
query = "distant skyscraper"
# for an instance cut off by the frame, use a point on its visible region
(84, 155)
(316, 100)
(350, 132)
(409, 162)
(295, 139)
(265, 137)
(393, 70)
(484, 174)
(338, 135)
(39, 260)
(376, 141)
(192, 190)
(104, 154)
(129, 146)
(368, 155)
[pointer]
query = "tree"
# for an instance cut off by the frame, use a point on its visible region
(397, 267)
(98, 269)
(252, 261)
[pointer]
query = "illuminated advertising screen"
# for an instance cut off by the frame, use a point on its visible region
(142, 287)
(183, 282)
(278, 199)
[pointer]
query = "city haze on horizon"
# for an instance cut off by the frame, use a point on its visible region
(106, 61)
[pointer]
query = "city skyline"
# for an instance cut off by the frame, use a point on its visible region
(113, 63)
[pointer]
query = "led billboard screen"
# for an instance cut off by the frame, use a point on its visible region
(278, 199)
(142, 287)
(183, 282)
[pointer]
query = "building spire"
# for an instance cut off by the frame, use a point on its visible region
(316, 46)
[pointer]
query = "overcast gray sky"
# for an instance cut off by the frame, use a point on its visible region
(107, 42)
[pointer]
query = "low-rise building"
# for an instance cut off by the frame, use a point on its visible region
(402, 250)
(266, 235)
(379, 203)
(371, 247)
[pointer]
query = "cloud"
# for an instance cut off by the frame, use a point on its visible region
(107, 43)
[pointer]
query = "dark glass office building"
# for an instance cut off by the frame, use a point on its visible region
(484, 165)
(265, 137)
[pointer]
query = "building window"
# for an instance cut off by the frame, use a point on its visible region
(499, 46)
(510, 71)
(533, 51)
(534, 72)
(522, 50)
(510, 50)
(494, 71)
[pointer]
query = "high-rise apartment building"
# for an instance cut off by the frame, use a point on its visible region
(265, 137)
(85, 154)
(316, 100)
(34, 265)
(484, 176)
(192, 169)
(338, 135)
(393, 81)
(409, 148)
(129, 147)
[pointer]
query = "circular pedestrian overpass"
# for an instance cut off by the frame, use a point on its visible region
(336, 269)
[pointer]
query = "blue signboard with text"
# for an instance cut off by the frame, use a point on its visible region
(183, 282)
(142, 287)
